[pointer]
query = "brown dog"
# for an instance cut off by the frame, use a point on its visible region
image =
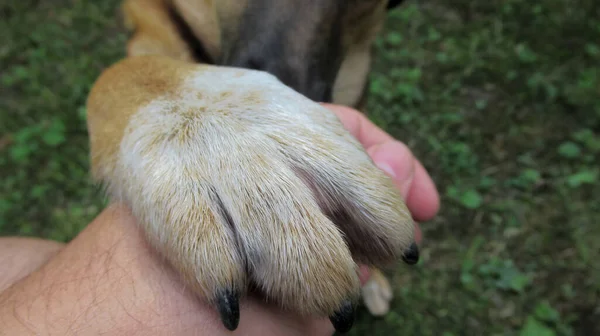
(234, 172)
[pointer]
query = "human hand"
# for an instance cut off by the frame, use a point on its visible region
(393, 157)
(396, 159)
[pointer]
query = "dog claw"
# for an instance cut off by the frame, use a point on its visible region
(411, 254)
(228, 304)
(343, 319)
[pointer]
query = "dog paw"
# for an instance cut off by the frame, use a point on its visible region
(238, 180)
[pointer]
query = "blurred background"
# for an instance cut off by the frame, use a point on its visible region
(500, 99)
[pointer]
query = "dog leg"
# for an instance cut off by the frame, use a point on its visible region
(154, 32)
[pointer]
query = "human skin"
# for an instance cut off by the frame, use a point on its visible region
(108, 280)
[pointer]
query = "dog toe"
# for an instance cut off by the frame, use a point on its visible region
(228, 305)
(295, 254)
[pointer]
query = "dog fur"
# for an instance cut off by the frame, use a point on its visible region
(237, 176)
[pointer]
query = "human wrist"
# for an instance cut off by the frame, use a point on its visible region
(105, 280)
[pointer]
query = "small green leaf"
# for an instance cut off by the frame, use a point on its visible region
(528, 178)
(487, 182)
(39, 191)
(545, 312)
(471, 199)
(481, 104)
(26, 134)
(583, 135)
(525, 54)
(55, 134)
(588, 140)
(394, 38)
(20, 152)
(531, 174)
(82, 113)
(512, 278)
(433, 35)
(569, 150)
(452, 192)
(518, 282)
(53, 139)
(583, 177)
(534, 327)
(466, 279)
(592, 49)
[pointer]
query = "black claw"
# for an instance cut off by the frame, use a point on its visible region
(411, 254)
(228, 303)
(343, 319)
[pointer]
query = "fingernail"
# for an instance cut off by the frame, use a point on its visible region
(395, 154)
(364, 274)
(386, 168)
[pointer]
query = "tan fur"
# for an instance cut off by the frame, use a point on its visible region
(153, 31)
(203, 19)
(235, 177)
(355, 68)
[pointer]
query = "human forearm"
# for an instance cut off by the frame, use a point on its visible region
(107, 280)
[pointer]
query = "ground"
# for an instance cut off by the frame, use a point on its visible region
(498, 98)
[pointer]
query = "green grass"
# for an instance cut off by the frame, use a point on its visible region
(500, 100)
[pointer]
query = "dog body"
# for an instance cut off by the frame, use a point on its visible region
(320, 48)
(236, 175)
